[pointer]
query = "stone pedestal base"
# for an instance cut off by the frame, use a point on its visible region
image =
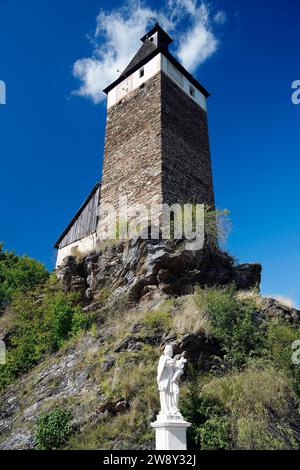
(170, 433)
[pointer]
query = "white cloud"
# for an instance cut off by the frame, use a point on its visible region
(197, 46)
(199, 42)
(116, 40)
(176, 7)
(220, 17)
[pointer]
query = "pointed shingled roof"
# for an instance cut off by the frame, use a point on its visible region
(146, 49)
(158, 43)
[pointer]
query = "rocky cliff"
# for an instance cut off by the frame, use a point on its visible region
(145, 269)
(105, 375)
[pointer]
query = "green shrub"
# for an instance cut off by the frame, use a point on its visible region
(18, 274)
(280, 338)
(233, 322)
(44, 319)
(157, 319)
(214, 433)
(80, 321)
(63, 317)
(210, 425)
(53, 430)
(253, 409)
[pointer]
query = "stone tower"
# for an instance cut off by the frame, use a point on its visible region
(157, 144)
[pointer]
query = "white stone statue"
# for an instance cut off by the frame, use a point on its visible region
(170, 427)
(169, 372)
(179, 368)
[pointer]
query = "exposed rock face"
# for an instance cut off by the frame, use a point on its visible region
(196, 345)
(64, 377)
(145, 268)
(71, 279)
(271, 308)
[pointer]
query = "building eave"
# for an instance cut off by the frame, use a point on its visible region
(87, 200)
(184, 72)
(172, 59)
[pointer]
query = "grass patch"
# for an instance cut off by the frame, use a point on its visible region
(157, 319)
(260, 405)
(189, 318)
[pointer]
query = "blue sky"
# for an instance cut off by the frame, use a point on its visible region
(51, 140)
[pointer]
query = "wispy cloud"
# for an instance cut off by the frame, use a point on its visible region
(220, 17)
(116, 39)
(199, 41)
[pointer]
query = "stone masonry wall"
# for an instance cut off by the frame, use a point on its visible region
(187, 174)
(132, 157)
(156, 148)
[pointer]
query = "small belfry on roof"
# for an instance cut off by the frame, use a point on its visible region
(162, 38)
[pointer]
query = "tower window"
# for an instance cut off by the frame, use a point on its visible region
(142, 72)
(192, 91)
(151, 39)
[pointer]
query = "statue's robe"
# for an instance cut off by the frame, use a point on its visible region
(165, 371)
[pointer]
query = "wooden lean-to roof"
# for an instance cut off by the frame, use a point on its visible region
(92, 217)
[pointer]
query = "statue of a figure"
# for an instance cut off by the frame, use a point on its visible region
(179, 366)
(169, 372)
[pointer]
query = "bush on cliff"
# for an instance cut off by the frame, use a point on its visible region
(278, 348)
(18, 274)
(211, 427)
(53, 429)
(233, 322)
(43, 319)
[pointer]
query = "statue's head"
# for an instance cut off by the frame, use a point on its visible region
(168, 351)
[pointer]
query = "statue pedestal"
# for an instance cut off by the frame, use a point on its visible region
(170, 432)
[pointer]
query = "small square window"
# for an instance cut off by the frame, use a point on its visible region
(192, 91)
(151, 39)
(142, 72)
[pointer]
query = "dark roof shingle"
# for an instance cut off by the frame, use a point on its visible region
(146, 49)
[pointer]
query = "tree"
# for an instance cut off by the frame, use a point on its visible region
(18, 274)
